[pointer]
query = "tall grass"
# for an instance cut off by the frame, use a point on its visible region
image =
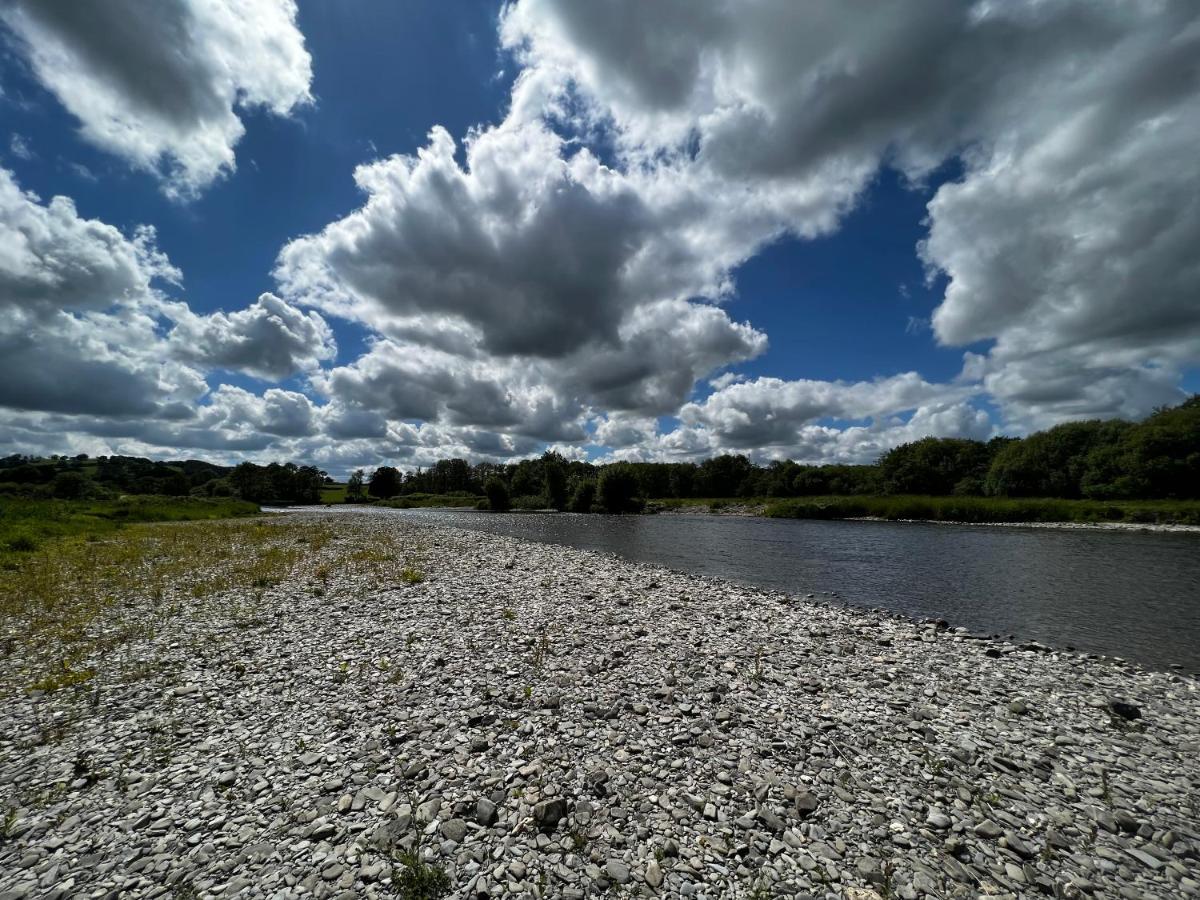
(988, 509)
(425, 501)
(25, 525)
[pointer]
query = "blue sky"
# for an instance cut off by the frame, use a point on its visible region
(855, 266)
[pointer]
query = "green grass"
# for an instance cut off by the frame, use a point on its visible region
(333, 493)
(989, 509)
(713, 504)
(425, 501)
(25, 525)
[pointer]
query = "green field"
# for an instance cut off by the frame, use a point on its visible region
(25, 525)
(989, 509)
(333, 493)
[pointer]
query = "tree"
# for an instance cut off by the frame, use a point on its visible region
(933, 466)
(497, 495)
(69, 485)
(1159, 457)
(722, 476)
(526, 478)
(354, 487)
(617, 489)
(385, 482)
(1051, 463)
(554, 473)
(584, 497)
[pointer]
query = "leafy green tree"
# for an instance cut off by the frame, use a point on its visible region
(1160, 457)
(527, 479)
(554, 476)
(354, 486)
(385, 483)
(584, 497)
(933, 466)
(69, 485)
(497, 495)
(722, 476)
(617, 489)
(1051, 463)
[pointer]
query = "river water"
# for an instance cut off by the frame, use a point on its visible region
(1122, 593)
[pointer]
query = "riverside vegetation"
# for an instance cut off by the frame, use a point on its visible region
(1097, 471)
(331, 704)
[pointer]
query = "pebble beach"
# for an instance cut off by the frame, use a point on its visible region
(487, 717)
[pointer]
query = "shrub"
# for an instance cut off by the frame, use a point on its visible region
(530, 501)
(617, 489)
(497, 495)
(22, 543)
(584, 497)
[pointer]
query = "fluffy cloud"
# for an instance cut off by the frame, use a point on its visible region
(520, 288)
(160, 82)
(523, 288)
(92, 363)
(89, 343)
(52, 259)
(1069, 232)
(269, 339)
(770, 412)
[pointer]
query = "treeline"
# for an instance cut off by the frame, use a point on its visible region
(105, 477)
(1158, 458)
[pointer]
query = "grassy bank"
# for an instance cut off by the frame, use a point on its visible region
(429, 501)
(70, 609)
(699, 504)
(989, 509)
(26, 525)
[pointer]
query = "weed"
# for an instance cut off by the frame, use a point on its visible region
(760, 891)
(9, 826)
(417, 879)
(66, 677)
(22, 543)
(342, 675)
(508, 614)
(411, 575)
(541, 649)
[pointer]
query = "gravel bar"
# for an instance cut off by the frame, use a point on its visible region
(536, 721)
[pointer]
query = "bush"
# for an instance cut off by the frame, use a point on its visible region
(497, 495)
(530, 501)
(69, 486)
(385, 482)
(22, 543)
(617, 488)
(584, 497)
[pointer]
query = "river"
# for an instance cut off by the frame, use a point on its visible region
(1121, 593)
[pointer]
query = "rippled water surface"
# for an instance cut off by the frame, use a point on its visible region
(1123, 593)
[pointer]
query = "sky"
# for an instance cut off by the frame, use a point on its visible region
(363, 233)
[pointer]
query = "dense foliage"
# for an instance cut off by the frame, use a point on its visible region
(109, 477)
(1158, 458)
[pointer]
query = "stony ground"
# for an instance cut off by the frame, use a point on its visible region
(467, 715)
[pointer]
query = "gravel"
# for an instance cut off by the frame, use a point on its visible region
(538, 721)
